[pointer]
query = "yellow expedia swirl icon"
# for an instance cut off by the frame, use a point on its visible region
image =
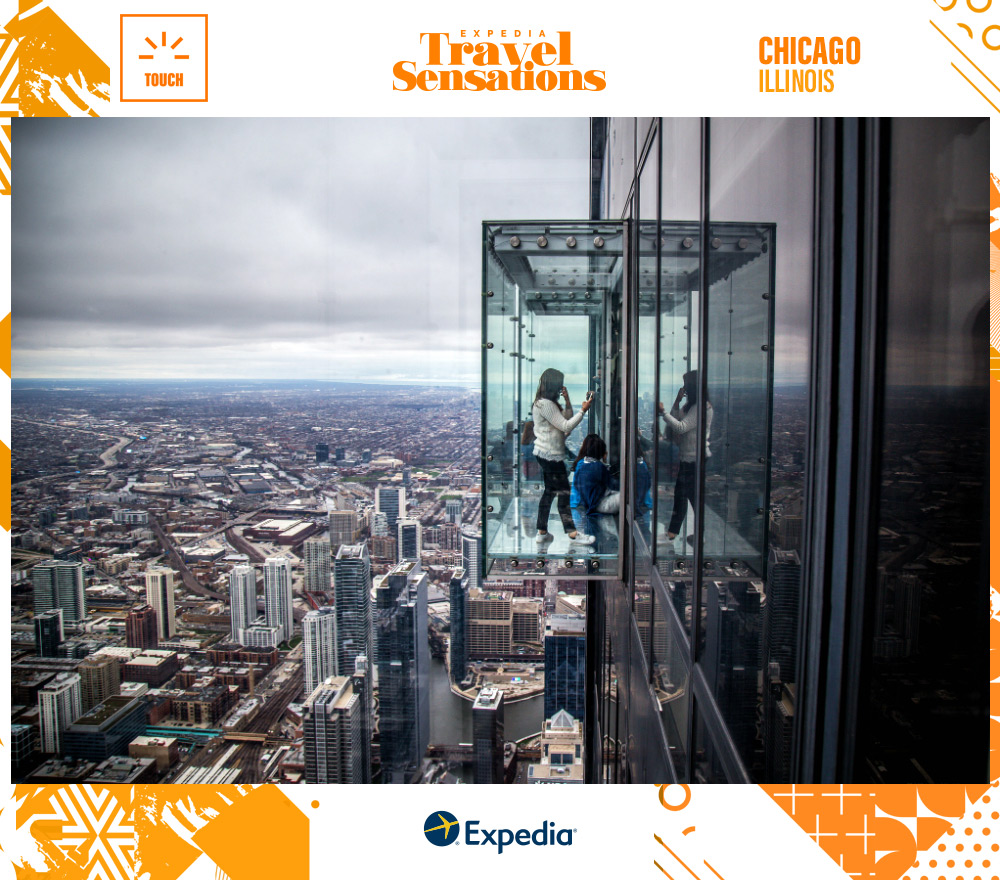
(441, 828)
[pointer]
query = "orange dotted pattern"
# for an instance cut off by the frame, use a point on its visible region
(878, 832)
(969, 851)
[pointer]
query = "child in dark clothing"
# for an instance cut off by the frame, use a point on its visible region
(594, 489)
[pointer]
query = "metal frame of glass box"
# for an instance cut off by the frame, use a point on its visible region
(584, 296)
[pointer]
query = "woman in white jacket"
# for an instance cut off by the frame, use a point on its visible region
(553, 424)
(685, 431)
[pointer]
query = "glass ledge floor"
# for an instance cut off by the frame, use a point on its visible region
(512, 549)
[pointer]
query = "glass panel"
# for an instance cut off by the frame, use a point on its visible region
(681, 186)
(555, 309)
(929, 643)
(610, 708)
(670, 684)
(679, 273)
(730, 656)
(707, 764)
(647, 242)
(621, 156)
(760, 282)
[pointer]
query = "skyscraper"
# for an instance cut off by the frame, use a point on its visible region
(319, 643)
(453, 511)
(278, 596)
(732, 655)
(353, 584)
(391, 500)
(457, 650)
(141, 630)
(487, 736)
(48, 632)
(408, 540)
(316, 561)
(242, 600)
(403, 662)
(365, 687)
(57, 583)
(59, 705)
(780, 642)
(565, 665)
(489, 623)
(160, 594)
(333, 726)
(380, 525)
(343, 527)
(322, 452)
(100, 678)
(470, 559)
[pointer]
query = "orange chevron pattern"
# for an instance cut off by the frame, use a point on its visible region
(83, 831)
(8, 104)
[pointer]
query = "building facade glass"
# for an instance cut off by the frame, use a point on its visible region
(788, 433)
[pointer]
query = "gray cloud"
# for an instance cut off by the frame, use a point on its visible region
(270, 248)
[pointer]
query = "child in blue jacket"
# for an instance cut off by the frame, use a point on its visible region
(594, 489)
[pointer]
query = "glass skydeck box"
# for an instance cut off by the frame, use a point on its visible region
(615, 306)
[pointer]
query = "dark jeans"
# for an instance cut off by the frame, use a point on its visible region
(556, 482)
(686, 489)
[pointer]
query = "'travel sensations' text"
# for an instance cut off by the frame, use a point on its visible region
(495, 67)
(809, 52)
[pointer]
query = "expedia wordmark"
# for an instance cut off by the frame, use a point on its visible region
(437, 829)
(495, 67)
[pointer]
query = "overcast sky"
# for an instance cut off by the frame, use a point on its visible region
(329, 249)
(344, 249)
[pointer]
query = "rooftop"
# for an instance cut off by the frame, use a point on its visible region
(103, 712)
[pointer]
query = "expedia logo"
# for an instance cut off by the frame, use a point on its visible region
(442, 829)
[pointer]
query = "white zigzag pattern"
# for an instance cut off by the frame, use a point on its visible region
(92, 816)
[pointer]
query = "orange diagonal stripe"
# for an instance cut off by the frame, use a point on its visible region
(176, 43)
(669, 850)
(151, 43)
(967, 58)
(971, 83)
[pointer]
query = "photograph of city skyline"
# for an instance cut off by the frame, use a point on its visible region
(283, 443)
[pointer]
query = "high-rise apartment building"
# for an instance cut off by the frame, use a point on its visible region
(408, 540)
(343, 528)
(242, 600)
(141, 628)
(278, 596)
(322, 453)
(488, 736)
(391, 500)
(453, 511)
(48, 632)
(160, 594)
(316, 562)
(489, 623)
(100, 678)
(319, 645)
(334, 730)
(403, 664)
(58, 583)
(60, 703)
(458, 653)
(471, 562)
(352, 591)
(565, 665)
